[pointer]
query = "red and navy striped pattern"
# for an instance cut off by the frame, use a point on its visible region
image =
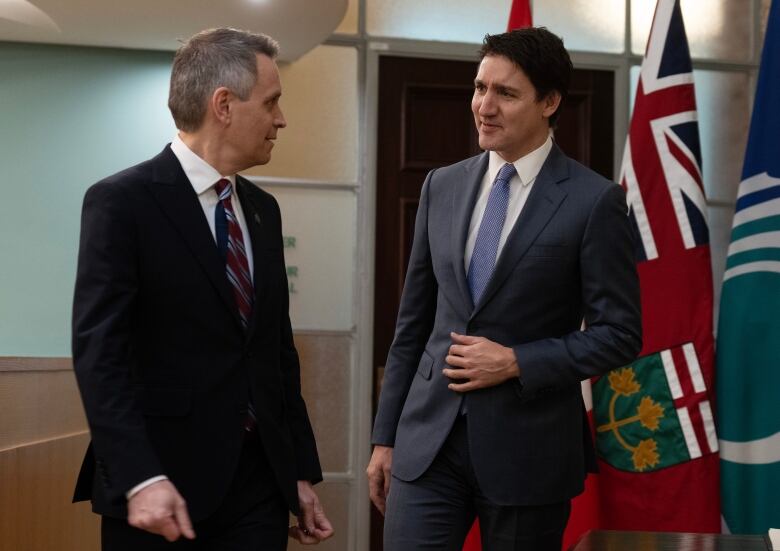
(236, 263)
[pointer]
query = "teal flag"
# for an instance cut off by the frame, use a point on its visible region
(748, 347)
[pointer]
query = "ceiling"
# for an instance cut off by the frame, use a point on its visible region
(298, 25)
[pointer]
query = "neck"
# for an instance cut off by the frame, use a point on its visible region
(209, 148)
(510, 156)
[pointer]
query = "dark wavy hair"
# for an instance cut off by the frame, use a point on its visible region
(540, 55)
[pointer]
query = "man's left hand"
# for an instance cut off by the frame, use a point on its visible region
(478, 363)
(313, 526)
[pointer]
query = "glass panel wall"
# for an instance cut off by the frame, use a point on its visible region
(349, 25)
(320, 103)
(716, 29)
(449, 21)
(589, 25)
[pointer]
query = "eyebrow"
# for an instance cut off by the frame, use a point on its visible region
(499, 87)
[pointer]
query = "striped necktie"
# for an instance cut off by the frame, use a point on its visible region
(483, 258)
(231, 244)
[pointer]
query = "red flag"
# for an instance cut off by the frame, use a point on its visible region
(585, 510)
(654, 425)
(519, 15)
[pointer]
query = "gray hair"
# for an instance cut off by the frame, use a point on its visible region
(211, 59)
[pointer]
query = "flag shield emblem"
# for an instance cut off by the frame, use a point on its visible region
(652, 414)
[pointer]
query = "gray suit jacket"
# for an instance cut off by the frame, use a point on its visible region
(568, 258)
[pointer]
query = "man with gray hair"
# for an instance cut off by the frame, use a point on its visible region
(182, 343)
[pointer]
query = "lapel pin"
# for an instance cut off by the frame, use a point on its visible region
(257, 218)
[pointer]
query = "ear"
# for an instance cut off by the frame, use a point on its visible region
(219, 105)
(551, 103)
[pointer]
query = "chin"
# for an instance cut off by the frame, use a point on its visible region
(487, 145)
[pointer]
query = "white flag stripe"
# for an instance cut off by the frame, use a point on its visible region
(587, 394)
(709, 425)
(761, 451)
(680, 182)
(654, 54)
(671, 374)
(766, 240)
(694, 369)
(635, 202)
(690, 435)
(756, 212)
(757, 183)
(751, 267)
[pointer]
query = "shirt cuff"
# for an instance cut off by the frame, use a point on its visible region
(135, 489)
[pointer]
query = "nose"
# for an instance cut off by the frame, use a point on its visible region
(279, 120)
(487, 106)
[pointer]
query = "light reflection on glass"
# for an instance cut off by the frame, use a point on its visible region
(715, 28)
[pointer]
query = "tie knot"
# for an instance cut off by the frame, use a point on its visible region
(223, 188)
(506, 173)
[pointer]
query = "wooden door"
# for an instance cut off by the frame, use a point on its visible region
(425, 122)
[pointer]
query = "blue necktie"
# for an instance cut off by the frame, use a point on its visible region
(221, 229)
(483, 258)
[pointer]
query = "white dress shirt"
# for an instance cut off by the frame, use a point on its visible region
(203, 177)
(520, 186)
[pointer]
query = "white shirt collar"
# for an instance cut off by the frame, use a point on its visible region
(527, 167)
(201, 175)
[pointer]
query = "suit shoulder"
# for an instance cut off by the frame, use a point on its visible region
(586, 180)
(125, 181)
(256, 192)
(445, 175)
(458, 168)
(259, 197)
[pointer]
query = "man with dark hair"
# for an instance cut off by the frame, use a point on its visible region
(182, 344)
(481, 413)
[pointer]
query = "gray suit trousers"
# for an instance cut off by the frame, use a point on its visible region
(436, 511)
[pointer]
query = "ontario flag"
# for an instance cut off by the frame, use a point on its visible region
(655, 435)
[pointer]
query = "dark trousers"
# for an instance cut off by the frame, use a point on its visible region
(252, 517)
(436, 511)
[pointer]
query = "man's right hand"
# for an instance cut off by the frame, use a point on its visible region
(378, 472)
(160, 509)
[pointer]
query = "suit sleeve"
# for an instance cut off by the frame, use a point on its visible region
(413, 328)
(305, 446)
(103, 358)
(611, 305)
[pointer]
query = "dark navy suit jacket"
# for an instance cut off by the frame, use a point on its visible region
(569, 257)
(164, 366)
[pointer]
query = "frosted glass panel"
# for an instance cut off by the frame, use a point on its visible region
(445, 20)
(724, 115)
(319, 227)
(765, 4)
(720, 236)
(349, 25)
(590, 25)
(320, 103)
(715, 28)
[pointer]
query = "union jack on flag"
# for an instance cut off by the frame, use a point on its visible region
(663, 144)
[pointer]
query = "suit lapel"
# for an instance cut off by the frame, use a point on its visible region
(464, 195)
(173, 192)
(543, 201)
